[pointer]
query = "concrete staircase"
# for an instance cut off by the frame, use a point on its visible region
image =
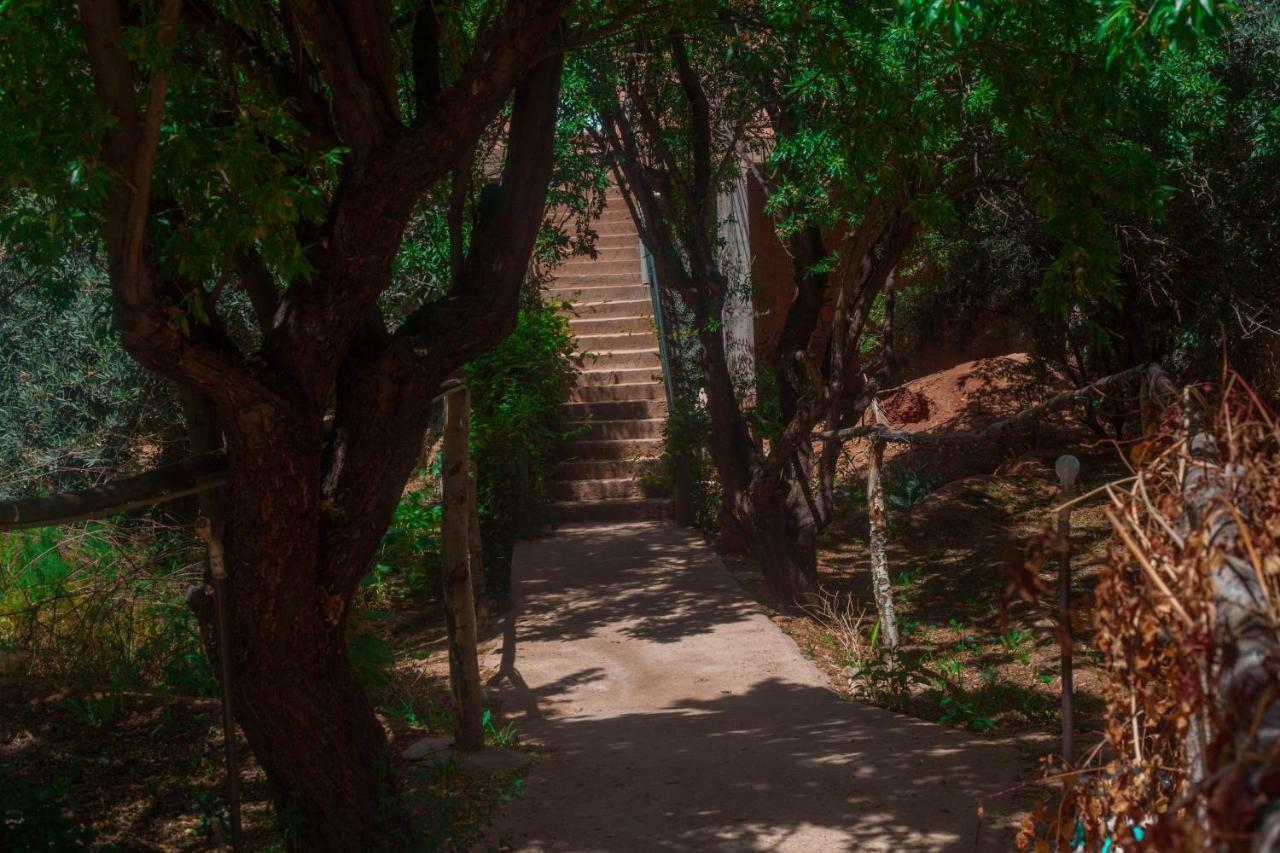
(619, 401)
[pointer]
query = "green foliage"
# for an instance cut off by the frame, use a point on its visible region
(410, 549)
(686, 464)
(103, 604)
(517, 423)
(71, 402)
(905, 487)
(371, 657)
(504, 735)
(32, 818)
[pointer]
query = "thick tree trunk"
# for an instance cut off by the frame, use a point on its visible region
(293, 570)
(313, 730)
(782, 539)
(305, 715)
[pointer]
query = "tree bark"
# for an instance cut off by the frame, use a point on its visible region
(877, 539)
(460, 609)
(304, 713)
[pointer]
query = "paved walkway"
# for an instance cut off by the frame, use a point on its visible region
(677, 717)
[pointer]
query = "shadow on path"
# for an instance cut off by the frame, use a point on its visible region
(676, 716)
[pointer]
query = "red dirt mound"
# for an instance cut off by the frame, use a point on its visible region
(969, 397)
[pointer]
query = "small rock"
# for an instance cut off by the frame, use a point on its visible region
(426, 748)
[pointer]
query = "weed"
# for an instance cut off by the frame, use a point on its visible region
(1013, 639)
(371, 657)
(505, 735)
(965, 713)
(845, 621)
(94, 711)
(904, 489)
(951, 667)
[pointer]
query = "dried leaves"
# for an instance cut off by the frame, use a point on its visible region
(1188, 625)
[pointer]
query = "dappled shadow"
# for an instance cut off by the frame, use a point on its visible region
(676, 717)
(647, 581)
(751, 771)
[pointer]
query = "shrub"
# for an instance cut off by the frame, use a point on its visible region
(517, 422)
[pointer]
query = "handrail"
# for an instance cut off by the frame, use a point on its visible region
(655, 298)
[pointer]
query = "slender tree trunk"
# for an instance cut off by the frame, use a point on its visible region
(460, 608)
(877, 539)
(475, 544)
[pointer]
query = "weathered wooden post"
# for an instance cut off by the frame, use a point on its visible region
(877, 539)
(474, 543)
(218, 574)
(455, 543)
(1068, 470)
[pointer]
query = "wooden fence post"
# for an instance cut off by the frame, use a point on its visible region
(1068, 470)
(881, 585)
(475, 544)
(460, 606)
(218, 574)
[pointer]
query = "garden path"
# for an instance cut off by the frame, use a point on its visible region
(675, 716)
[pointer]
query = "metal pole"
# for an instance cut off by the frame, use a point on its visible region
(1068, 470)
(218, 572)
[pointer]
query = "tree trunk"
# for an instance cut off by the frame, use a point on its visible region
(460, 608)
(782, 540)
(475, 544)
(312, 728)
(305, 715)
(877, 539)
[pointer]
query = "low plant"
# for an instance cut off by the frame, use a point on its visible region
(497, 733)
(32, 817)
(846, 622)
(904, 488)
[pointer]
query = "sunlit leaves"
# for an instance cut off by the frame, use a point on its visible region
(1133, 31)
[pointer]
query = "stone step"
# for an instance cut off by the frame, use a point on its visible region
(600, 266)
(588, 449)
(618, 376)
(596, 490)
(617, 228)
(618, 249)
(610, 410)
(623, 360)
(596, 294)
(585, 327)
(604, 430)
(623, 392)
(603, 469)
(646, 509)
(570, 279)
(630, 308)
(621, 341)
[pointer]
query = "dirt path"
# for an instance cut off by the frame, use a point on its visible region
(676, 716)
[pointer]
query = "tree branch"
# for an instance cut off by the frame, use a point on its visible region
(1057, 401)
(188, 477)
(481, 307)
